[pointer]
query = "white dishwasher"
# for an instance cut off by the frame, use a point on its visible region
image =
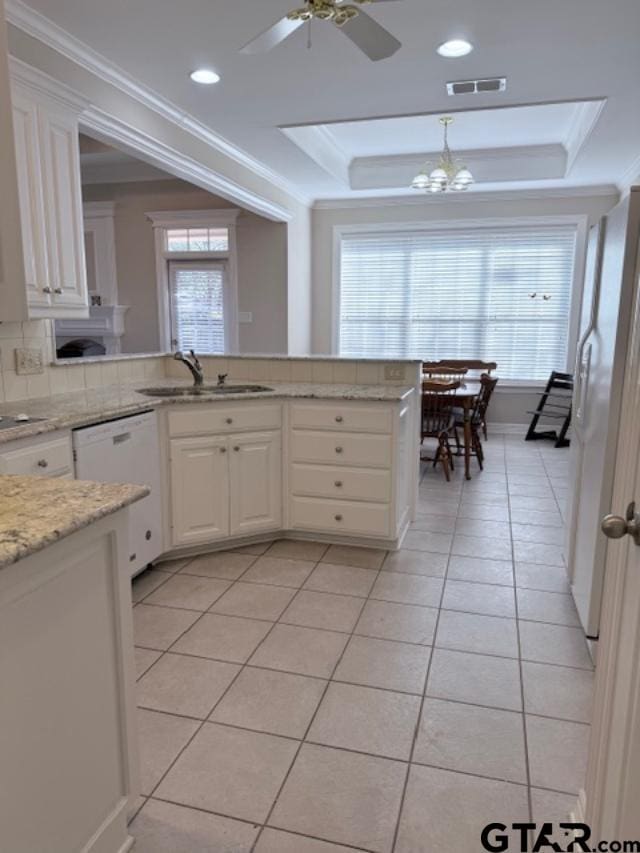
(127, 451)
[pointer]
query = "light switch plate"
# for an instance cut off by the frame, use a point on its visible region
(29, 361)
(394, 372)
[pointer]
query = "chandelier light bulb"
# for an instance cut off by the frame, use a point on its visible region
(447, 176)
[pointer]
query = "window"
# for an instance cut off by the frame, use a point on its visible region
(197, 305)
(197, 279)
(197, 240)
(501, 294)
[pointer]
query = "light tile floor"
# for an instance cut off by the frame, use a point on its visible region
(299, 697)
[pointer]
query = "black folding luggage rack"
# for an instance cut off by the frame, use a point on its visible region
(556, 405)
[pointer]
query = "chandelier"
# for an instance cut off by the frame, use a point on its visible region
(326, 10)
(448, 176)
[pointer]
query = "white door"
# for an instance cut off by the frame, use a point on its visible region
(598, 401)
(29, 170)
(613, 776)
(199, 490)
(63, 208)
(255, 482)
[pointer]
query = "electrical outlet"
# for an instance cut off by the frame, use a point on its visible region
(394, 372)
(28, 361)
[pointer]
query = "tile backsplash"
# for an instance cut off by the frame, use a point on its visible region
(35, 336)
(58, 379)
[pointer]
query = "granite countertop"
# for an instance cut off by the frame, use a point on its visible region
(81, 408)
(36, 511)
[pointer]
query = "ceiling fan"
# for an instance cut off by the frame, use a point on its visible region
(364, 32)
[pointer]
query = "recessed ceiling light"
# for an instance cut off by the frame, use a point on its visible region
(455, 48)
(205, 76)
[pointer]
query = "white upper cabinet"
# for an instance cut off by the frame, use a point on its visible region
(48, 169)
(13, 298)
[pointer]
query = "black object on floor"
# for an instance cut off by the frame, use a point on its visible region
(555, 403)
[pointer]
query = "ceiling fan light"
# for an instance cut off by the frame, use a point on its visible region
(438, 175)
(436, 188)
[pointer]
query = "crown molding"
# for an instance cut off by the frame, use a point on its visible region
(630, 177)
(38, 26)
(110, 129)
(193, 218)
(41, 83)
(584, 122)
(468, 197)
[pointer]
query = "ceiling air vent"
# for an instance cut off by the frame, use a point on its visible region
(477, 87)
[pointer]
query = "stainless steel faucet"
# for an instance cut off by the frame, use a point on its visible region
(193, 364)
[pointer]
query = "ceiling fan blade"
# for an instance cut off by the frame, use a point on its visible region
(370, 37)
(272, 37)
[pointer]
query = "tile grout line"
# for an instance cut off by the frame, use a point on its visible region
(220, 698)
(416, 730)
(520, 671)
(314, 715)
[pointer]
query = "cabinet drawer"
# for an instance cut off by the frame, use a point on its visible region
(345, 417)
(204, 420)
(367, 519)
(328, 481)
(338, 448)
(47, 458)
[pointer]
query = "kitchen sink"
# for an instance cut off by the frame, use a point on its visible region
(204, 390)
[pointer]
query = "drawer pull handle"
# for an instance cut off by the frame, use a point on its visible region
(42, 463)
(229, 420)
(338, 450)
(338, 517)
(46, 290)
(338, 484)
(223, 450)
(57, 290)
(339, 419)
(236, 449)
(147, 535)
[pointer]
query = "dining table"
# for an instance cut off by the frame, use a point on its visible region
(465, 398)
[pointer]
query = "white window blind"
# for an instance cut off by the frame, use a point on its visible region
(197, 305)
(499, 294)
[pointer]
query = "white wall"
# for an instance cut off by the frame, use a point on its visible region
(508, 406)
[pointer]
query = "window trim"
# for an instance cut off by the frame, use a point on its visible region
(580, 221)
(162, 221)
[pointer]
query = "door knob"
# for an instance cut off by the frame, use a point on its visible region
(615, 527)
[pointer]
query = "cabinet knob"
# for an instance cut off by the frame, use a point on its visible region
(223, 450)
(338, 517)
(147, 535)
(339, 419)
(46, 290)
(229, 420)
(57, 290)
(236, 449)
(338, 484)
(42, 463)
(338, 450)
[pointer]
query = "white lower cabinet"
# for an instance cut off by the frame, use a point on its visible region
(199, 490)
(42, 456)
(225, 486)
(255, 483)
(347, 464)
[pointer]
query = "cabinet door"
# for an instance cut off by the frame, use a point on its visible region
(63, 210)
(29, 171)
(255, 482)
(199, 490)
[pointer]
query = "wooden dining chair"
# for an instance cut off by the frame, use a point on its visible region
(478, 418)
(442, 371)
(438, 421)
(470, 364)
